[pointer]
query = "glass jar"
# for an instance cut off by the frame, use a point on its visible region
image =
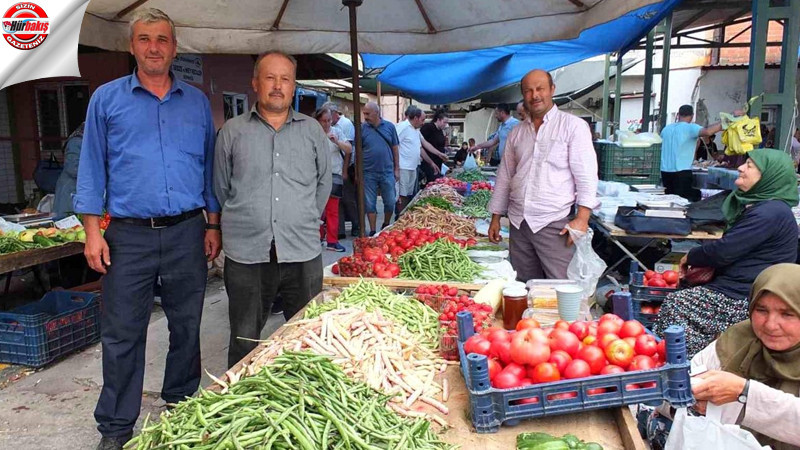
(515, 302)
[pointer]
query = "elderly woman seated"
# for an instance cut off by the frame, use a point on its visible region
(754, 366)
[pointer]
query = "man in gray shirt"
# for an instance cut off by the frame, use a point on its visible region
(272, 178)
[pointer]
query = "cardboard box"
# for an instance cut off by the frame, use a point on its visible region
(669, 262)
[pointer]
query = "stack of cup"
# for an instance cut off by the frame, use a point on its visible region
(569, 301)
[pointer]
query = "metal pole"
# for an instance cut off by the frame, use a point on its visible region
(617, 93)
(606, 96)
(648, 82)
(663, 95)
(351, 6)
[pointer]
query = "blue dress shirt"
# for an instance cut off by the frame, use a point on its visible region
(146, 157)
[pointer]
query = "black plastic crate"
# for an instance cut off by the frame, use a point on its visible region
(641, 294)
(630, 165)
(491, 407)
(58, 324)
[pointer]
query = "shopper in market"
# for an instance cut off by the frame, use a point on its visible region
(521, 113)
(754, 366)
(433, 133)
(348, 205)
(761, 231)
(507, 122)
(549, 167)
(678, 150)
(339, 148)
(381, 164)
(147, 156)
(68, 180)
(412, 154)
(272, 176)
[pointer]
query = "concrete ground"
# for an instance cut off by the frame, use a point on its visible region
(52, 408)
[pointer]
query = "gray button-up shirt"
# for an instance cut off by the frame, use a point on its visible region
(271, 185)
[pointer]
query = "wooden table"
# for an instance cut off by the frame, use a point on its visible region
(28, 258)
(614, 429)
(616, 234)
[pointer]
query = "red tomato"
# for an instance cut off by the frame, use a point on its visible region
(477, 344)
(641, 362)
(560, 358)
(498, 334)
(580, 329)
(631, 341)
(394, 269)
(619, 353)
(647, 309)
(452, 292)
(505, 380)
(577, 368)
(516, 369)
(661, 348)
(595, 391)
(561, 339)
(529, 352)
(646, 345)
(609, 369)
(562, 396)
(606, 339)
(378, 267)
(335, 269)
(384, 274)
(494, 368)
(527, 323)
(649, 274)
(544, 373)
(631, 328)
(592, 328)
(531, 335)
(594, 357)
(561, 325)
(670, 276)
(501, 350)
(657, 282)
(590, 340)
(608, 326)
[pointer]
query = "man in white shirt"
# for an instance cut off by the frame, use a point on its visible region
(411, 154)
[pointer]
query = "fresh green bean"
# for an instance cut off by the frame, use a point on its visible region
(439, 261)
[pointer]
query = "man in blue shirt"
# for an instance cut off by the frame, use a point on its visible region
(677, 153)
(379, 143)
(147, 158)
(507, 122)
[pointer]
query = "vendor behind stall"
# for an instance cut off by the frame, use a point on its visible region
(761, 232)
(677, 152)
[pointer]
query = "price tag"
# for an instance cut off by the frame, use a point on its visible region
(68, 222)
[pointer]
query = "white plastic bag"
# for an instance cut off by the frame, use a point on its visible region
(704, 433)
(470, 162)
(586, 267)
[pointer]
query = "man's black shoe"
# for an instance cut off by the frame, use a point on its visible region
(113, 442)
(277, 306)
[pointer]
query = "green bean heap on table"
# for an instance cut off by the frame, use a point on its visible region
(470, 175)
(301, 401)
(439, 261)
(435, 201)
(416, 316)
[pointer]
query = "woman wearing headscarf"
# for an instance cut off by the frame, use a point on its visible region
(761, 231)
(754, 366)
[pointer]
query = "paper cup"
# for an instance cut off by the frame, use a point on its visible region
(569, 301)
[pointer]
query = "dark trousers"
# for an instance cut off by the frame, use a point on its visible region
(348, 206)
(680, 183)
(430, 175)
(252, 289)
(139, 255)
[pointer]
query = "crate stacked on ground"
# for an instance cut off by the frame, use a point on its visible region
(647, 295)
(586, 384)
(58, 324)
(630, 165)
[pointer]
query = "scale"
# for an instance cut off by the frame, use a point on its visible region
(29, 220)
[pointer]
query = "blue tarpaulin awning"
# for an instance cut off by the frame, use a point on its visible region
(451, 77)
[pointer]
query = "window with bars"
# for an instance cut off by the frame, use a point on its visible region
(234, 104)
(60, 108)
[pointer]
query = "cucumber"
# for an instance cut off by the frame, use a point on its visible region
(43, 241)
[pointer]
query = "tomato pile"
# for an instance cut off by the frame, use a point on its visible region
(370, 259)
(478, 185)
(452, 182)
(669, 279)
(651, 308)
(534, 355)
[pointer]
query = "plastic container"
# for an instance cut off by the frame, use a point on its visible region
(515, 302)
(58, 324)
(569, 301)
(629, 165)
(490, 407)
(642, 295)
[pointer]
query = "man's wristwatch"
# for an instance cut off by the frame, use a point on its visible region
(743, 396)
(213, 226)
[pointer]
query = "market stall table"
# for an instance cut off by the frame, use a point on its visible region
(28, 258)
(616, 234)
(614, 429)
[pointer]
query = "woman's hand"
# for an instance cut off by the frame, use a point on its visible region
(718, 387)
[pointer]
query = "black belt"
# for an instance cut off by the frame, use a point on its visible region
(160, 222)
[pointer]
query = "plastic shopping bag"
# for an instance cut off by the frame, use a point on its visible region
(704, 433)
(586, 267)
(470, 162)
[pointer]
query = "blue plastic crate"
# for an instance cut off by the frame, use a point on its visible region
(644, 294)
(490, 407)
(58, 324)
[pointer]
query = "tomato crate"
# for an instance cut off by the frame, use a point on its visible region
(642, 295)
(491, 407)
(58, 324)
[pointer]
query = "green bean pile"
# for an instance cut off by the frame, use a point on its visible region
(470, 175)
(9, 244)
(479, 212)
(440, 261)
(436, 201)
(418, 317)
(480, 198)
(301, 401)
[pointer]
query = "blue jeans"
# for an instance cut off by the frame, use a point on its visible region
(385, 181)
